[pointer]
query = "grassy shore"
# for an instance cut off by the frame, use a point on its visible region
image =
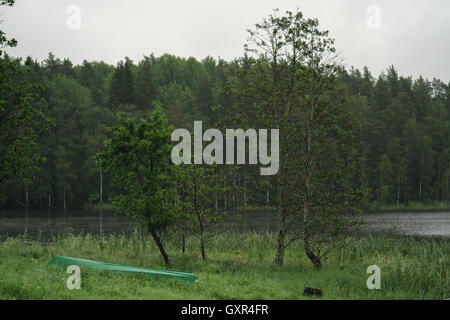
(411, 206)
(374, 207)
(239, 266)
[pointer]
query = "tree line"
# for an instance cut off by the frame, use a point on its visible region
(403, 125)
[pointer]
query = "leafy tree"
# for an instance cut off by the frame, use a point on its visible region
(137, 156)
(122, 84)
(196, 187)
(167, 69)
(145, 89)
(384, 173)
(291, 75)
(22, 120)
(69, 104)
(398, 166)
(95, 76)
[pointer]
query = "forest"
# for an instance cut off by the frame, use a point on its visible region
(403, 127)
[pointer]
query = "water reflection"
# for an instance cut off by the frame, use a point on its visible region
(51, 222)
(410, 223)
(103, 222)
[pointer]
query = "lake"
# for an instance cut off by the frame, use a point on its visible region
(46, 222)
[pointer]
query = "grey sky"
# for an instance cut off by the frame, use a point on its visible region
(413, 34)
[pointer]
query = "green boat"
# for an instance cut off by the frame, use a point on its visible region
(96, 265)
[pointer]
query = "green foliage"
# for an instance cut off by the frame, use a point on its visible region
(145, 89)
(137, 156)
(122, 84)
(21, 118)
(289, 80)
(197, 191)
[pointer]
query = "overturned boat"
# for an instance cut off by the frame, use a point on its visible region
(96, 265)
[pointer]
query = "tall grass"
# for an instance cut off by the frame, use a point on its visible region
(239, 266)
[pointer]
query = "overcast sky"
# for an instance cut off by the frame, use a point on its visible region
(413, 35)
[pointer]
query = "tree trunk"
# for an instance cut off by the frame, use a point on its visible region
(101, 222)
(183, 242)
(225, 205)
(27, 203)
(216, 200)
(202, 245)
(446, 186)
(161, 248)
(308, 176)
(233, 191)
(65, 204)
(406, 189)
(245, 191)
(279, 257)
(101, 186)
(314, 259)
(420, 187)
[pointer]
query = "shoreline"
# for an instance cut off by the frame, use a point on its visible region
(245, 261)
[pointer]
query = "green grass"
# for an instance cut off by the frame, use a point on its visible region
(239, 266)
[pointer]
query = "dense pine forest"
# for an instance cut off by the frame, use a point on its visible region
(403, 127)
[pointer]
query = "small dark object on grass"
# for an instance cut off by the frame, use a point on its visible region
(312, 292)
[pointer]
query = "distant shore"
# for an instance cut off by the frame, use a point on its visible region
(411, 207)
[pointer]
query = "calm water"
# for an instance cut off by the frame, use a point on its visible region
(411, 223)
(46, 222)
(16, 222)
